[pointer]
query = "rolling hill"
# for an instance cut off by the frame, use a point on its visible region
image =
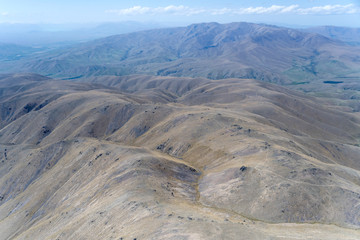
(164, 157)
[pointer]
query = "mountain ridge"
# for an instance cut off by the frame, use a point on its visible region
(140, 51)
(188, 156)
(302, 61)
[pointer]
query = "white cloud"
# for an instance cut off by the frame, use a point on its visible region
(221, 11)
(260, 10)
(274, 9)
(295, 9)
(330, 9)
(171, 9)
(289, 9)
(4, 13)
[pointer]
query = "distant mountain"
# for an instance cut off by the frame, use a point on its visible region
(13, 52)
(345, 34)
(211, 50)
(57, 35)
(159, 157)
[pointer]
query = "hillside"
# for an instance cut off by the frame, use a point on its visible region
(161, 157)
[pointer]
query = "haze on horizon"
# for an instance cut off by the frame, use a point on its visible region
(176, 12)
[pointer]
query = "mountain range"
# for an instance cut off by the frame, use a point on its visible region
(211, 131)
(244, 50)
(303, 61)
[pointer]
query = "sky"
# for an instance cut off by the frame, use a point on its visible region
(281, 12)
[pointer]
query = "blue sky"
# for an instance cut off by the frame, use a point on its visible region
(290, 12)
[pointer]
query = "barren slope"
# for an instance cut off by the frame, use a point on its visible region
(166, 158)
